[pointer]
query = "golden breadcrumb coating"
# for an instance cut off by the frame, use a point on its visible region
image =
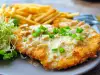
(81, 52)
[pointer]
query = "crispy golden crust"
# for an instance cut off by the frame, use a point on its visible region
(83, 51)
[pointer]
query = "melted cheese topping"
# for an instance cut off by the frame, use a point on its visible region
(66, 42)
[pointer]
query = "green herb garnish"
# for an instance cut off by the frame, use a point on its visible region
(65, 31)
(68, 28)
(7, 56)
(55, 30)
(38, 31)
(54, 50)
(35, 34)
(70, 34)
(79, 38)
(43, 29)
(51, 35)
(16, 21)
(62, 31)
(79, 30)
(74, 35)
(10, 55)
(2, 52)
(61, 50)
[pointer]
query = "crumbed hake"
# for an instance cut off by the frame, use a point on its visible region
(58, 47)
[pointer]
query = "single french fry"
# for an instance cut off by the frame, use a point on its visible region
(29, 17)
(22, 8)
(36, 15)
(12, 11)
(23, 22)
(44, 8)
(49, 21)
(27, 20)
(46, 14)
(30, 10)
(48, 17)
(33, 10)
(63, 15)
(22, 13)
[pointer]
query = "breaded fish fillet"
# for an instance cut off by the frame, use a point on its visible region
(59, 48)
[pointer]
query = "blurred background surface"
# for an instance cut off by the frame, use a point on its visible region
(82, 6)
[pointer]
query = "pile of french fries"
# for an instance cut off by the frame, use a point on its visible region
(33, 14)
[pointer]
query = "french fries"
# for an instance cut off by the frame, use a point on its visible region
(50, 20)
(48, 17)
(33, 14)
(45, 15)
